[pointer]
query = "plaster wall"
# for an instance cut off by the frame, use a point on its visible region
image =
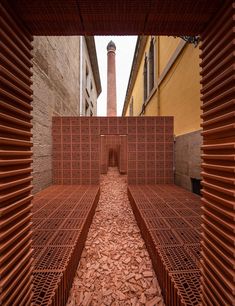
(166, 47)
(179, 93)
(138, 89)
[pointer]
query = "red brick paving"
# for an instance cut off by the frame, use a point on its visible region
(115, 266)
(61, 219)
(170, 223)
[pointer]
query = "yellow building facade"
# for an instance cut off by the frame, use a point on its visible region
(165, 81)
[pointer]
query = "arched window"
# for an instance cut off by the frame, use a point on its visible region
(151, 66)
(145, 79)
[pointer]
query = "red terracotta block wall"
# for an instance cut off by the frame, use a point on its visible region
(111, 142)
(77, 153)
(113, 152)
(76, 150)
(103, 155)
(122, 154)
(15, 161)
(218, 167)
(150, 150)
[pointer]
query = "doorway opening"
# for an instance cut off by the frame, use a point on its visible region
(113, 153)
(214, 21)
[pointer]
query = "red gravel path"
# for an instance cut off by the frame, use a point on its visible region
(115, 268)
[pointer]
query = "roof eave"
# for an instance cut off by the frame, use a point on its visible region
(90, 42)
(139, 50)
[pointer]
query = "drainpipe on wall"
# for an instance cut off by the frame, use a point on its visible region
(158, 74)
(81, 76)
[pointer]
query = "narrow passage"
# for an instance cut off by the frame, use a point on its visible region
(115, 268)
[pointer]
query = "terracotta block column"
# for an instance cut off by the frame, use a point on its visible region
(15, 161)
(111, 77)
(218, 167)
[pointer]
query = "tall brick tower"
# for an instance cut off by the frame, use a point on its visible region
(111, 77)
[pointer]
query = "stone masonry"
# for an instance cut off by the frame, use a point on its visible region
(188, 164)
(56, 93)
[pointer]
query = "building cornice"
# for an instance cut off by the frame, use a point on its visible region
(90, 42)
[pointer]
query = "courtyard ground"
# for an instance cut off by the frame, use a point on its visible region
(115, 268)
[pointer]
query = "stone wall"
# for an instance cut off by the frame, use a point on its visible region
(89, 91)
(187, 158)
(56, 93)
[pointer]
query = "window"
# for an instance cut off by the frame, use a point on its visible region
(145, 79)
(87, 71)
(151, 66)
(86, 108)
(87, 77)
(131, 108)
(87, 92)
(148, 73)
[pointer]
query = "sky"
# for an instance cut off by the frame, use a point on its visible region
(125, 47)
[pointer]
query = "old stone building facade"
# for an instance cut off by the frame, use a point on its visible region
(89, 76)
(60, 82)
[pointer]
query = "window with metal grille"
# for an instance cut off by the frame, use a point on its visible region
(87, 79)
(145, 79)
(87, 108)
(151, 66)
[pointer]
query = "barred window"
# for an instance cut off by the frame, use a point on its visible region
(145, 79)
(151, 66)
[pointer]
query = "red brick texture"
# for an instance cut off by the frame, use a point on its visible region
(122, 154)
(103, 155)
(111, 85)
(169, 220)
(80, 152)
(218, 152)
(62, 216)
(116, 17)
(113, 152)
(16, 161)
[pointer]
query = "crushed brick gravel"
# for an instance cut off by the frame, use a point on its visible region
(115, 267)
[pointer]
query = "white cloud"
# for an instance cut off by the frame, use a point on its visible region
(125, 46)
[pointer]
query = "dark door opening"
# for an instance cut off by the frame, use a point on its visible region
(113, 153)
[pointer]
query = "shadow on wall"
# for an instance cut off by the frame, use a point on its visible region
(112, 162)
(113, 153)
(188, 163)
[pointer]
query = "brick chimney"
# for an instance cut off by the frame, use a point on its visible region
(111, 77)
